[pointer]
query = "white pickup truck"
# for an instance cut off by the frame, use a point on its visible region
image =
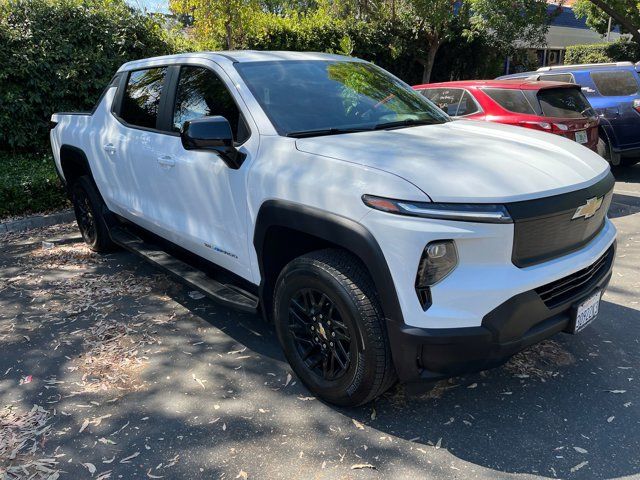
(384, 240)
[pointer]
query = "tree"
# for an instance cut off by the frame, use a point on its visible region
(623, 13)
(505, 22)
(214, 19)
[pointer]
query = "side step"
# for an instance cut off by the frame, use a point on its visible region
(226, 294)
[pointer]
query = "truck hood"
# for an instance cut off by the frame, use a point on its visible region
(465, 160)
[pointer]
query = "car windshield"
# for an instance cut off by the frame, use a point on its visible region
(319, 97)
(564, 103)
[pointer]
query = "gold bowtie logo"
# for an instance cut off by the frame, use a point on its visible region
(589, 209)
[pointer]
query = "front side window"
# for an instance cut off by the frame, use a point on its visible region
(325, 96)
(564, 103)
(511, 99)
(615, 83)
(142, 97)
(201, 93)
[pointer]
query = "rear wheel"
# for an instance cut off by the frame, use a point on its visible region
(89, 210)
(605, 151)
(331, 327)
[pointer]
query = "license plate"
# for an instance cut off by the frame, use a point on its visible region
(587, 311)
(582, 137)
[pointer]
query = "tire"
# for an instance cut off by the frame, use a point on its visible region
(90, 212)
(604, 150)
(327, 298)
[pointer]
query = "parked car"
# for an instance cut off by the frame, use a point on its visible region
(382, 239)
(613, 89)
(553, 107)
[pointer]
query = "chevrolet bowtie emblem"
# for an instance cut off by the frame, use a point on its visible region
(589, 209)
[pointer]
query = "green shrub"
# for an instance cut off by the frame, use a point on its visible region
(58, 55)
(603, 52)
(29, 184)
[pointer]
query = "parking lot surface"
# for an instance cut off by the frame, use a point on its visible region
(110, 369)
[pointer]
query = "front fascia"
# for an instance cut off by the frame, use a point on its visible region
(485, 276)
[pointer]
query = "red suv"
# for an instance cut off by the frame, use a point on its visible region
(554, 107)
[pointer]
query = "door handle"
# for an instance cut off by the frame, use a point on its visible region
(166, 161)
(109, 148)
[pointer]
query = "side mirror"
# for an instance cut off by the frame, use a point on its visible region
(213, 134)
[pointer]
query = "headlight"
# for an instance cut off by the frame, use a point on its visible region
(438, 260)
(481, 212)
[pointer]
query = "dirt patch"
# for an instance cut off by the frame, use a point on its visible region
(541, 360)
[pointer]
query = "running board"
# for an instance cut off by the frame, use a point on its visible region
(228, 295)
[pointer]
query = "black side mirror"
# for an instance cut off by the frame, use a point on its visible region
(214, 134)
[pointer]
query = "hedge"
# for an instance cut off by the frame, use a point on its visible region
(58, 55)
(619, 51)
(29, 184)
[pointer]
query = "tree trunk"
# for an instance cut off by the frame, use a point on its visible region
(229, 36)
(620, 18)
(428, 62)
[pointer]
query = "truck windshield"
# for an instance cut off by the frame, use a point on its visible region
(319, 97)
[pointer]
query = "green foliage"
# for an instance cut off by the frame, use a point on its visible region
(603, 52)
(29, 184)
(624, 14)
(58, 55)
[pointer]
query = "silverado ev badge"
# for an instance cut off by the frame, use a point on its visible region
(589, 209)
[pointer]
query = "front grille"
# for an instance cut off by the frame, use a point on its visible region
(572, 286)
(545, 228)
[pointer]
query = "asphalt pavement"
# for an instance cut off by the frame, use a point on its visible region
(136, 376)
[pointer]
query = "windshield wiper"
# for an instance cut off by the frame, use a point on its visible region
(405, 123)
(326, 131)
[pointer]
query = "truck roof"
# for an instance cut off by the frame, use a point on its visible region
(235, 56)
(516, 84)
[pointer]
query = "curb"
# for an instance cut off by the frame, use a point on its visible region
(37, 221)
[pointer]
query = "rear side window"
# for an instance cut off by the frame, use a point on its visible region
(456, 102)
(564, 103)
(202, 94)
(512, 100)
(615, 83)
(142, 97)
(558, 77)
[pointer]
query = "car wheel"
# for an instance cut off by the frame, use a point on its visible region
(331, 327)
(604, 150)
(89, 209)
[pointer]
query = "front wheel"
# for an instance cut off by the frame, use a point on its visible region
(90, 209)
(331, 327)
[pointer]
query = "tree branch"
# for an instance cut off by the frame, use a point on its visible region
(619, 17)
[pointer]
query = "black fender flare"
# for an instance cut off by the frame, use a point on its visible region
(79, 158)
(335, 229)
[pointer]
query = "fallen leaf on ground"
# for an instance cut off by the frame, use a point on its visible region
(358, 425)
(360, 466)
(578, 466)
(90, 466)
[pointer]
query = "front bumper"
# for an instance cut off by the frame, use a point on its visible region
(521, 321)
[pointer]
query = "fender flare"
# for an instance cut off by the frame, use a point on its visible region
(335, 229)
(78, 156)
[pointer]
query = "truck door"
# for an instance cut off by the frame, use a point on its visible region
(199, 199)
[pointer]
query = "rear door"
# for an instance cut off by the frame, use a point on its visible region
(140, 145)
(618, 89)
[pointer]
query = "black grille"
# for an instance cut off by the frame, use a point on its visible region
(570, 287)
(545, 229)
